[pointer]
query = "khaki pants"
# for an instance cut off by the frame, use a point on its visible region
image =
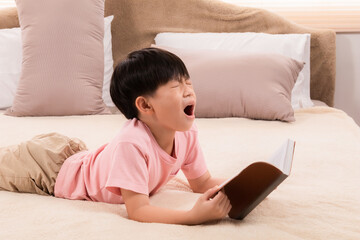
(32, 166)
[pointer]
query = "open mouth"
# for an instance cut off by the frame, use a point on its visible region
(189, 110)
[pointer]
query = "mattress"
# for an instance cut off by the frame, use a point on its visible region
(319, 200)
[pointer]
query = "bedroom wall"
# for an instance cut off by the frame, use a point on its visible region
(347, 87)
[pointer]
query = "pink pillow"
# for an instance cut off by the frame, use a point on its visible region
(63, 58)
(229, 84)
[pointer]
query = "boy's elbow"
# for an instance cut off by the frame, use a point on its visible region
(136, 215)
(135, 218)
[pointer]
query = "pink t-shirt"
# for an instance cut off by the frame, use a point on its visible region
(133, 160)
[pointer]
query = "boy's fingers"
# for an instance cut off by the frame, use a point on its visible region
(227, 202)
(222, 198)
(228, 208)
(219, 197)
(211, 192)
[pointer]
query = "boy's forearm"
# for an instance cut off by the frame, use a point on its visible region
(211, 182)
(149, 213)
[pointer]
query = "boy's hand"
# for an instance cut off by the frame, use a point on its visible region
(207, 209)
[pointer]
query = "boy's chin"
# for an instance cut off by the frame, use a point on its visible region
(187, 126)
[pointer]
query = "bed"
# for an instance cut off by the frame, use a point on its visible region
(320, 199)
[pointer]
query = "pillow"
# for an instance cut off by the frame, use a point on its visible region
(233, 84)
(108, 61)
(11, 56)
(296, 46)
(63, 58)
(10, 64)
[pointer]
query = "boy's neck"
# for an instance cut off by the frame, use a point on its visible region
(164, 137)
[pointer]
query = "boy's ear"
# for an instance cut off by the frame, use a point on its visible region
(143, 105)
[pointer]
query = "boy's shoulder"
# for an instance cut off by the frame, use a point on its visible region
(134, 131)
(139, 134)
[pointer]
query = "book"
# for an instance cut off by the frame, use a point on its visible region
(252, 185)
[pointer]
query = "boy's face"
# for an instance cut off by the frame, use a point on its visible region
(174, 105)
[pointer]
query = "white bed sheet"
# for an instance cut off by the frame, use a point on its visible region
(320, 199)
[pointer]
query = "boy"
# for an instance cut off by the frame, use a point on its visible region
(153, 90)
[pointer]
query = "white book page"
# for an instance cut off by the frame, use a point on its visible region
(289, 157)
(282, 158)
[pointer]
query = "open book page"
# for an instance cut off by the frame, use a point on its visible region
(282, 158)
(254, 183)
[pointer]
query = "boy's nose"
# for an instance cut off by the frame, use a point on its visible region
(189, 91)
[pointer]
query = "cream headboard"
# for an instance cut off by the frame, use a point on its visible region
(137, 22)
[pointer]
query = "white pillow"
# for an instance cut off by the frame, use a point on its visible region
(108, 61)
(296, 46)
(11, 58)
(10, 64)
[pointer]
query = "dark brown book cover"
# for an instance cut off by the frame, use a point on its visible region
(253, 184)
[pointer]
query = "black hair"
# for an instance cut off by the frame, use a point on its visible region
(140, 74)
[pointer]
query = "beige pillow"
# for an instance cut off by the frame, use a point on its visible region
(229, 84)
(63, 58)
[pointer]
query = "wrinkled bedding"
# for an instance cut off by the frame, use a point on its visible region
(320, 199)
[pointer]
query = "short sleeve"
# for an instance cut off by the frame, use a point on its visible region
(194, 165)
(128, 170)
